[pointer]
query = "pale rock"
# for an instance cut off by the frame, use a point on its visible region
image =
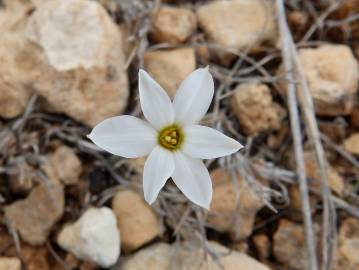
(335, 180)
(173, 25)
(67, 165)
(14, 16)
(348, 243)
(238, 24)
(13, 95)
(136, 220)
(69, 39)
(232, 210)
(255, 109)
(262, 245)
(35, 216)
(170, 67)
(188, 257)
(155, 257)
(75, 63)
(352, 144)
(227, 260)
(332, 83)
(10, 263)
(289, 246)
(94, 237)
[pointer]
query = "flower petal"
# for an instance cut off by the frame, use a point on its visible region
(192, 178)
(194, 96)
(204, 142)
(159, 167)
(155, 103)
(125, 136)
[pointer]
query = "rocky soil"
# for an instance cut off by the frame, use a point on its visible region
(65, 65)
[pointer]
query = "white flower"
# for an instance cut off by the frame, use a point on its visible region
(171, 137)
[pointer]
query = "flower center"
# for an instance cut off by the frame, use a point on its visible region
(171, 137)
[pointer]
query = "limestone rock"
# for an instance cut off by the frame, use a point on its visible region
(170, 67)
(347, 251)
(34, 216)
(332, 83)
(10, 263)
(75, 63)
(220, 20)
(229, 213)
(67, 165)
(255, 109)
(187, 257)
(155, 257)
(94, 237)
(68, 39)
(227, 259)
(136, 220)
(13, 95)
(173, 25)
(352, 144)
(289, 245)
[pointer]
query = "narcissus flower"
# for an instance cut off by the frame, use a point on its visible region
(171, 138)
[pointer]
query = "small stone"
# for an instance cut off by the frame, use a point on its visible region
(94, 237)
(352, 144)
(170, 67)
(289, 245)
(332, 83)
(21, 177)
(295, 206)
(36, 258)
(220, 21)
(298, 20)
(262, 244)
(348, 243)
(10, 263)
(67, 165)
(173, 25)
(35, 216)
(188, 257)
(229, 213)
(255, 109)
(354, 116)
(75, 63)
(136, 220)
(335, 180)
